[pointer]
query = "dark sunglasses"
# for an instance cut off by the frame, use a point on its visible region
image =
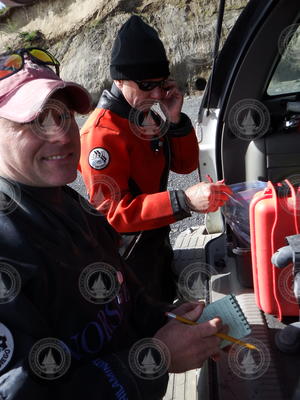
(13, 62)
(146, 86)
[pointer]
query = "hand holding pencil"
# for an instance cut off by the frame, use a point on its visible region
(219, 334)
(190, 348)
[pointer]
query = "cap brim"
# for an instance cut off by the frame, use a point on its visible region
(25, 102)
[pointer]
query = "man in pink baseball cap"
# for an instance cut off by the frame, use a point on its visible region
(33, 95)
(70, 312)
(26, 83)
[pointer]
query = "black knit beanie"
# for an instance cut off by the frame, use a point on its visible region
(138, 53)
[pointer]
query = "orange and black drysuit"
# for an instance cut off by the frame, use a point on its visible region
(126, 177)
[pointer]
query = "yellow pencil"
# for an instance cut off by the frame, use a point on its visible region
(220, 335)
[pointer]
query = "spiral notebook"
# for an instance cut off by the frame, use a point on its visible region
(229, 310)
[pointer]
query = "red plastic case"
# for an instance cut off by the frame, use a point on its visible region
(272, 218)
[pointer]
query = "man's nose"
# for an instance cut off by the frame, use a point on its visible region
(156, 93)
(57, 128)
(60, 134)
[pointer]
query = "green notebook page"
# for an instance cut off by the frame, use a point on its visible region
(229, 310)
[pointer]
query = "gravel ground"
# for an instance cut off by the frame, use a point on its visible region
(176, 181)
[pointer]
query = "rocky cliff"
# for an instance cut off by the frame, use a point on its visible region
(80, 33)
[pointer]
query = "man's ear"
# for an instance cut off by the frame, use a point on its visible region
(119, 84)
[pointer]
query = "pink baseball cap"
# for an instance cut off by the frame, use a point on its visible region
(24, 94)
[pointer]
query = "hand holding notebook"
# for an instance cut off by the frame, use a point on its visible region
(229, 310)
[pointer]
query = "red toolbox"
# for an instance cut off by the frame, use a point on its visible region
(274, 214)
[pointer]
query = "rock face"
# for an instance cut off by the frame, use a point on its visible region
(80, 34)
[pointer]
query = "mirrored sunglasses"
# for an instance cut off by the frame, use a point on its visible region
(13, 62)
(146, 86)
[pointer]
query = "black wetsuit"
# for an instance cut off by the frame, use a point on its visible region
(49, 238)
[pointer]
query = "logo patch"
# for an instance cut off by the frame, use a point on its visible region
(99, 158)
(6, 346)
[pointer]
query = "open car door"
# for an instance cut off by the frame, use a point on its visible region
(248, 129)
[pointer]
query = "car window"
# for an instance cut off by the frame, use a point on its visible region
(286, 78)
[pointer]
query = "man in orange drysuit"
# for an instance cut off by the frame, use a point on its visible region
(128, 150)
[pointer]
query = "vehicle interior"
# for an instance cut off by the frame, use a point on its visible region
(261, 75)
(259, 61)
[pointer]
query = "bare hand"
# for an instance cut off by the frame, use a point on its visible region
(207, 197)
(172, 100)
(190, 346)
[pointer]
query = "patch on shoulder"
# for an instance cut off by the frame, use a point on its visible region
(99, 158)
(6, 346)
